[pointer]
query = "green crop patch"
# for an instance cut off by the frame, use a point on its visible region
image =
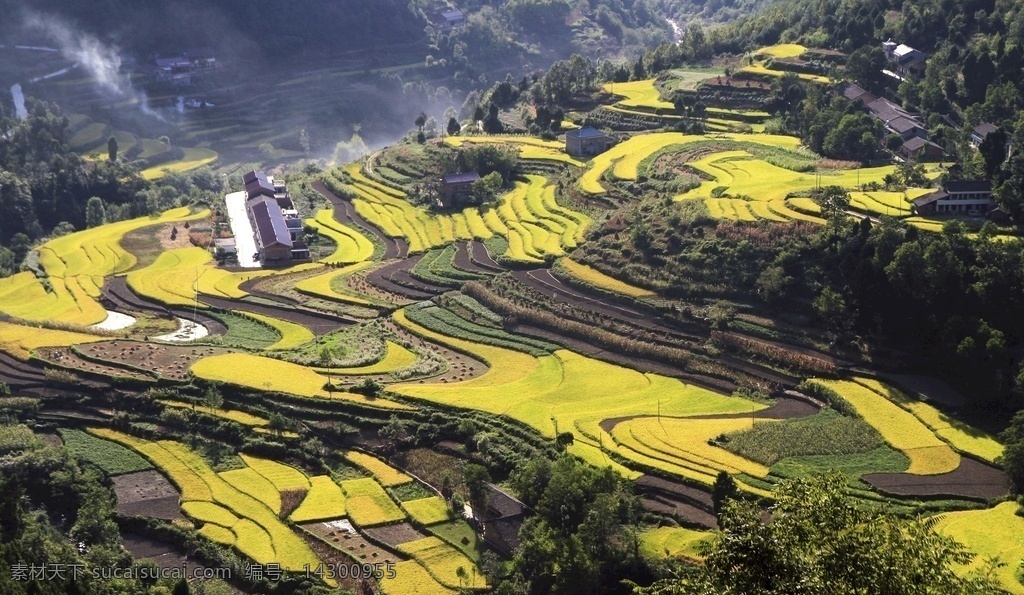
(111, 457)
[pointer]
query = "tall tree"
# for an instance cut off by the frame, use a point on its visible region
(818, 542)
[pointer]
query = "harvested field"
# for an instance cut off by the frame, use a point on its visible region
(971, 479)
(146, 493)
(394, 535)
(167, 361)
(351, 543)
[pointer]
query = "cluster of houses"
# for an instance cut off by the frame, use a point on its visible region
(916, 146)
(183, 69)
(275, 222)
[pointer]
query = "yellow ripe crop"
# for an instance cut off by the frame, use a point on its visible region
(264, 373)
(396, 358)
(992, 534)
(672, 542)
(599, 279)
(410, 577)
(324, 501)
(901, 429)
(292, 335)
(428, 511)
(387, 475)
(443, 562)
(639, 94)
(368, 504)
(248, 481)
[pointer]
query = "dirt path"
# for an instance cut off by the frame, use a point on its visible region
(395, 278)
(317, 322)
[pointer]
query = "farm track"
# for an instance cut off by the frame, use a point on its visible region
(478, 254)
(345, 214)
(317, 322)
(785, 407)
(395, 278)
(972, 479)
(116, 291)
(464, 261)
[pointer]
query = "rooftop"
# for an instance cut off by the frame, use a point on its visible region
(270, 225)
(917, 143)
(452, 15)
(904, 124)
(968, 186)
(886, 110)
(984, 129)
(251, 176)
(585, 132)
(461, 178)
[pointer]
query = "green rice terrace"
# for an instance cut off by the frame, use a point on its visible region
(336, 411)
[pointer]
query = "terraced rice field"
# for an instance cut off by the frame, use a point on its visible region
(324, 501)
(567, 392)
(177, 276)
(529, 217)
(598, 279)
(427, 511)
(623, 160)
(385, 474)
(264, 373)
(786, 50)
(680, 446)
(246, 419)
(396, 357)
(76, 265)
(529, 147)
(352, 246)
(900, 428)
(443, 562)
(326, 285)
(673, 542)
(208, 498)
(292, 335)
(193, 158)
(368, 504)
(20, 341)
(994, 533)
(639, 94)
(962, 437)
(410, 577)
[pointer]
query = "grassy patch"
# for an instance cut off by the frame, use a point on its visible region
(826, 433)
(245, 332)
(111, 457)
(880, 460)
(461, 536)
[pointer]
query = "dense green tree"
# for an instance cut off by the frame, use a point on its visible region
(865, 66)
(112, 149)
(819, 542)
(993, 150)
(95, 213)
(723, 490)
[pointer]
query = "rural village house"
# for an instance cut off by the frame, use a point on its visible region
(964, 197)
(457, 189)
(587, 142)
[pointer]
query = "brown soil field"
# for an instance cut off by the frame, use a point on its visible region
(169, 361)
(147, 493)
